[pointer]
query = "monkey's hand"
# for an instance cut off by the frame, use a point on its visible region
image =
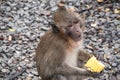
(94, 74)
(84, 56)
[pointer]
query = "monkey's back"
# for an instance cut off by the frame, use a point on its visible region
(47, 59)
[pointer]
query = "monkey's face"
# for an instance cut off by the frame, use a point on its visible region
(74, 30)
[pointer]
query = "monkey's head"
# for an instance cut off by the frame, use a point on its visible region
(68, 22)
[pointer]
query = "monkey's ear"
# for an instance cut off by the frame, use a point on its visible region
(61, 5)
(54, 27)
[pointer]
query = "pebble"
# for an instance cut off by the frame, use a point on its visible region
(113, 78)
(5, 70)
(2, 27)
(114, 64)
(118, 76)
(8, 9)
(54, 8)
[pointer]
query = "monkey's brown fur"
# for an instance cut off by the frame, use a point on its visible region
(57, 53)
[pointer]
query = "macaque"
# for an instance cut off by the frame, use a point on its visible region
(60, 49)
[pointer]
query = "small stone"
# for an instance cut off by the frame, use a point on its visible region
(47, 13)
(45, 22)
(70, 4)
(113, 78)
(2, 27)
(28, 78)
(5, 70)
(114, 64)
(54, 8)
(34, 72)
(12, 30)
(42, 5)
(107, 10)
(93, 25)
(26, 8)
(118, 67)
(100, 0)
(19, 79)
(10, 37)
(45, 28)
(30, 75)
(117, 11)
(30, 64)
(10, 61)
(116, 22)
(77, 4)
(10, 24)
(35, 78)
(19, 68)
(8, 9)
(73, 8)
(118, 76)
(17, 54)
(118, 56)
(102, 13)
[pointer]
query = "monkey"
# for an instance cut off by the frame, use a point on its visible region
(60, 49)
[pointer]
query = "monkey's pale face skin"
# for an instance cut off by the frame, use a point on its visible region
(74, 30)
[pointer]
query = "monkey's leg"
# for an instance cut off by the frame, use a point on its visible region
(72, 77)
(59, 77)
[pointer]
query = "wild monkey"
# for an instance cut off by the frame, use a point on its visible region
(58, 51)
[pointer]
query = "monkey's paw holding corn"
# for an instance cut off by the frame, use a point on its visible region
(94, 65)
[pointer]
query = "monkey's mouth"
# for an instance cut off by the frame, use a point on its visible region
(77, 37)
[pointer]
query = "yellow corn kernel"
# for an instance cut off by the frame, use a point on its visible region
(94, 65)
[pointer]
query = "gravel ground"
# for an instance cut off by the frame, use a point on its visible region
(23, 22)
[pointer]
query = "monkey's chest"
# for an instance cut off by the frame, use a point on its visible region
(71, 58)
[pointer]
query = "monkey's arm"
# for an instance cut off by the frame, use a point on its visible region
(83, 57)
(72, 70)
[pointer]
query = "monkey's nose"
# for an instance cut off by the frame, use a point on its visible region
(77, 31)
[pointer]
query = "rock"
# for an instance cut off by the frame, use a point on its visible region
(114, 64)
(26, 8)
(28, 78)
(116, 22)
(35, 78)
(34, 72)
(77, 4)
(8, 9)
(118, 76)
(113, 78)
(46, 13)
(118, 67)
(102, 14)
(117, 11)
(2, 27)
(5, 70)
(45, 28)
(54, 8)
(100, 0)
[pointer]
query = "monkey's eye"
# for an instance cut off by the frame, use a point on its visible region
(80, 26)
(69, 25)
(76, 21)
